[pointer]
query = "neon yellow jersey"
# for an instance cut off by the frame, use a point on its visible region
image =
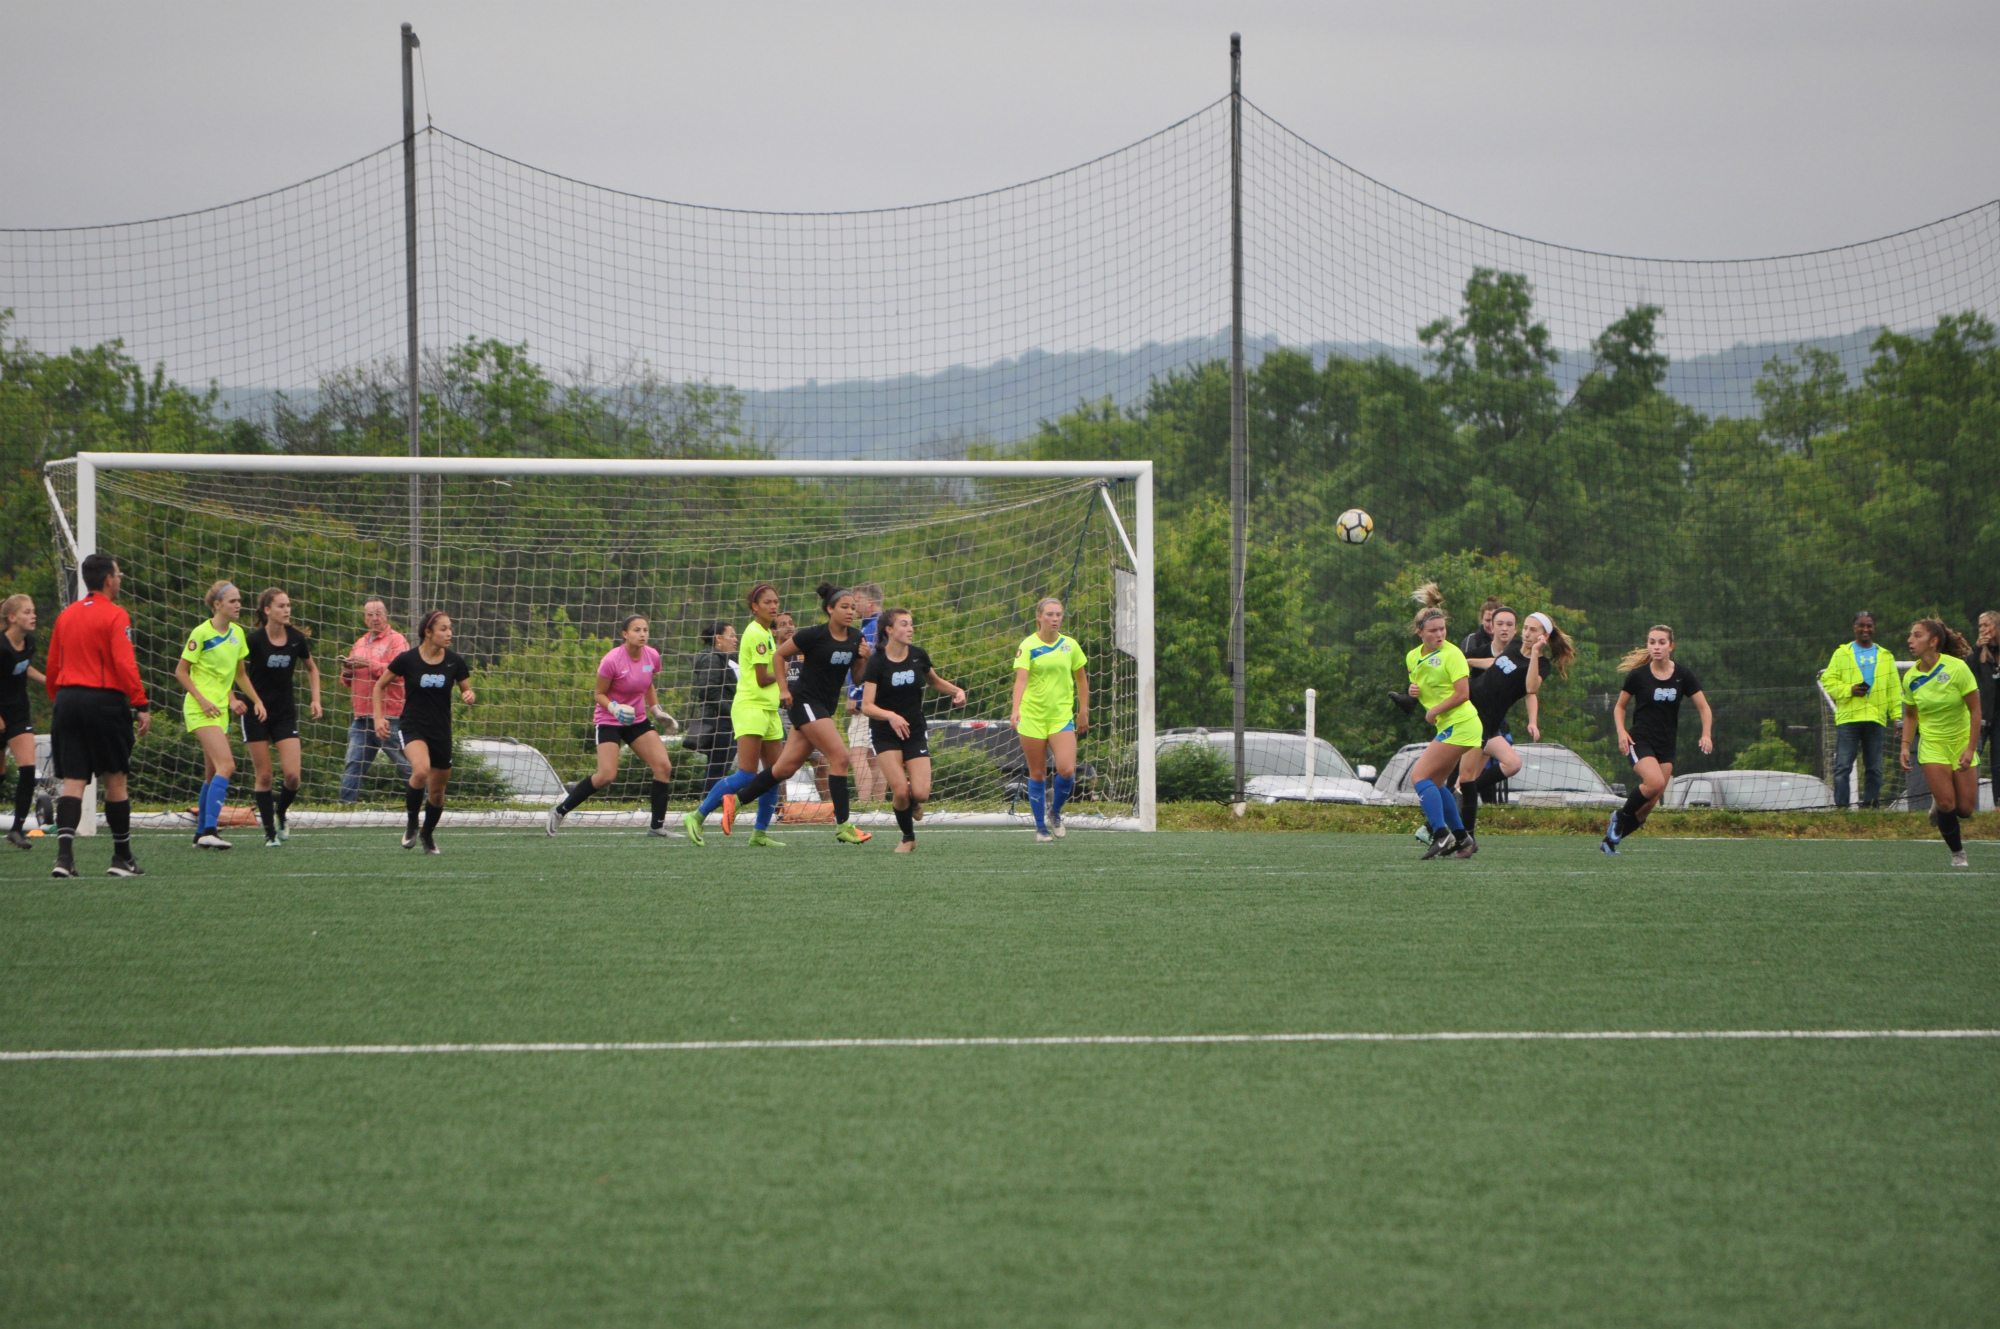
(1436, 673)
(212, 659)
(758, 647)
(1050, 696)
(1944, 725)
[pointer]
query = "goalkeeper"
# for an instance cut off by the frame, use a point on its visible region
(626, 695)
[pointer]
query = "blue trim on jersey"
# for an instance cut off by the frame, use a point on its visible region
(1036, 653)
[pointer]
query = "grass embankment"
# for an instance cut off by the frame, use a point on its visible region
(1574, 821)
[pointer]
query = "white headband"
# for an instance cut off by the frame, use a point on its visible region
(1548, 624)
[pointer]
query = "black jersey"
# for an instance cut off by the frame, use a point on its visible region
(1478, 644)
(271, 669)
(900, 684)
(1655, 717)
(824, 672)
(427, 688)
(14, 670)
(1495, 691)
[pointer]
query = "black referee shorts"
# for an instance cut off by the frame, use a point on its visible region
(90, 733)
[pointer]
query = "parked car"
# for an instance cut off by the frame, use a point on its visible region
(1748, 791)
(1551, 776)
(528, 775)
(1274, 765)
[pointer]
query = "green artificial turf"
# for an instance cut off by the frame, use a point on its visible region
(1419, 1183)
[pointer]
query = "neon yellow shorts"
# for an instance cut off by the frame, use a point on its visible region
(1464, 734)
(191, 713)
(753, 721)
(1046, 726)
(1945, 750)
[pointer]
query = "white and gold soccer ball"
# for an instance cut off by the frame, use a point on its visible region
(1355, 526)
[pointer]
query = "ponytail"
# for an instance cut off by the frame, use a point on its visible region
(424, 628)
(1638, 655)
(829, 595)
(1430, 601)
(1949, 642)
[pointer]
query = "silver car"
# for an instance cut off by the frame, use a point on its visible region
(1748, 791)
(1274, 765)
(1551, 776)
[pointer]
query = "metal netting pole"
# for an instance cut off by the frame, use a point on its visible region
(1238, 425)
(414, 405)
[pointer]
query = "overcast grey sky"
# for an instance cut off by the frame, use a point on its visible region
(1686, 131)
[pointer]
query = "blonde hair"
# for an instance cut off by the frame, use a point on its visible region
(1430, 601)
(1635, 657)
(1990, 652)
(13, 605)
(217, 591)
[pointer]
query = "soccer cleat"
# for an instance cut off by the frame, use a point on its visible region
(1441, 844)
(1404, 702)
(728, 813)
(124, 866)
(272, 841)
(1043, 837)
(1607, 846)
(430, 845)
(19, 841)
(1611, 835)
(907, 847)
(759, 840)
(1958, 860)
(410, 838)
(848, 833)
(556, 815)
(65, 865)
(1056, 827)
(284, 829)
(691, 823)
(660, 832)
(1467, 847)
(210, 840)
(1422, 834)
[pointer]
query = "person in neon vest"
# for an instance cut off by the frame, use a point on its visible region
(1867, 694)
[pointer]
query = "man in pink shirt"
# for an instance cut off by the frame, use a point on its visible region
(359, 669)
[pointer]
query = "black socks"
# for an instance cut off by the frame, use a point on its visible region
(267, 810)
(118, 816)
(906, 818)
(757, 788)
(837, 786)
(1468, 807)
(660, 792)
(432, 811)
(69, 815)
(413, 803)
(579, 791)
(1948, 828)
(24, 795)
(286, 797)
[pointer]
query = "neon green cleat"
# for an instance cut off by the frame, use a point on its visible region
(849, 833)
(759, 840)
(691, 823)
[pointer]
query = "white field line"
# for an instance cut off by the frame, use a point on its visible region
(1049, 1040)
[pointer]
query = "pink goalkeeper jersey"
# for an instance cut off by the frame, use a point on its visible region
(628, 680)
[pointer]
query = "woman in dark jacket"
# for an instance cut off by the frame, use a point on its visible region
(1985, 664)
(714, 689)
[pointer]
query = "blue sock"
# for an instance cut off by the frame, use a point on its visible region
(1433, 800)
(728, 784)
(1449, 799)
(767, 807)
(1064, 785)
(212, 799)
(1037, 796)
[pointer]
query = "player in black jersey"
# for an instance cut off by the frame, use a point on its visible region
(429, 670)
(830, 654)
(892, 697)
(1653, 692)
(17, 670)
(1514, 671)
(277, 648)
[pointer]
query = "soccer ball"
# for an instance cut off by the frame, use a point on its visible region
(624, 714)
(1355, 526)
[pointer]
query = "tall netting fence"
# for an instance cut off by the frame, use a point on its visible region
(1749, 452)
(537, 573)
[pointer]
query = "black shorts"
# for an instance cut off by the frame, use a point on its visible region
(918, 744)
(439, 744)
(280, 726)
(1495, 726)
(803, 713)
(90, 733)
(623, 733)
(19, 720)
(1662, 753)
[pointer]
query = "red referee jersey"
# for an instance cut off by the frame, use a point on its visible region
(91, 647)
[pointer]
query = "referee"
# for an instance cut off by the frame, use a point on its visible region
(93, 678)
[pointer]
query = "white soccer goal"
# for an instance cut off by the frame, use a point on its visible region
(537, 560)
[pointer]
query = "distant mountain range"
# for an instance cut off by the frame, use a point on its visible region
(941, 415)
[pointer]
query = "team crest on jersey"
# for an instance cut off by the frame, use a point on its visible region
(1431, 663)
(431, 681)
(902, 678)
(1666, 694)
(763, 648)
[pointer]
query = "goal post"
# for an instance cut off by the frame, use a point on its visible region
(538, 558)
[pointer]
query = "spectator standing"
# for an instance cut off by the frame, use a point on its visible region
(1867, 694)
(714, 688)
(1985, 664)
(868, 782)
(359, 669)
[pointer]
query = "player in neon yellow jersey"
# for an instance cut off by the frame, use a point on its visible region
(1441, 682)
(1050, 711)
(760, 734)
(211, 669)
(1941, 712)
